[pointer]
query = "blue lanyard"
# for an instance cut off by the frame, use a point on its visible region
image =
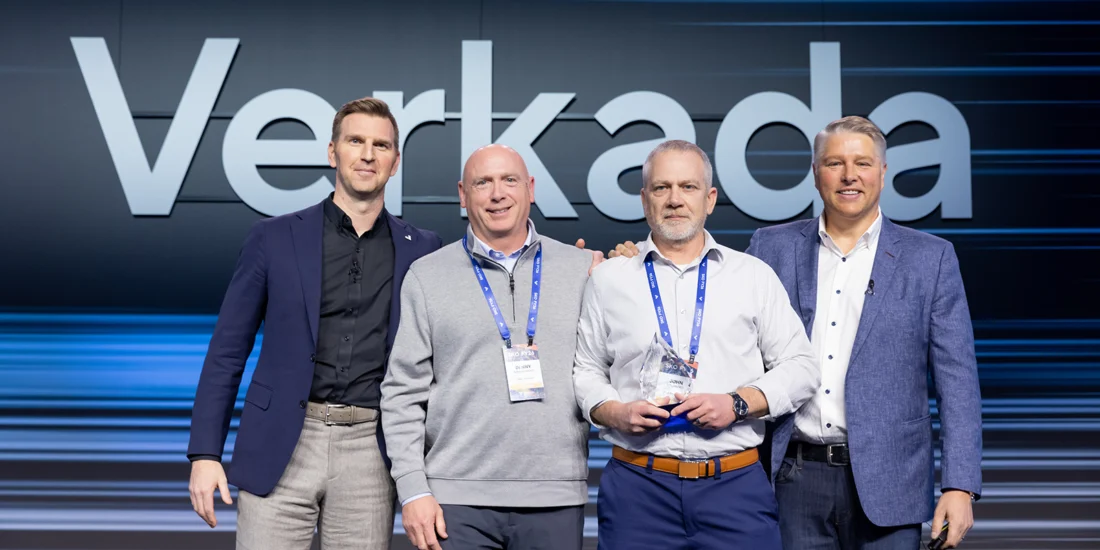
(700, 301)
(502, 326)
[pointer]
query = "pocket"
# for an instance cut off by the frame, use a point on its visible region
(922, 420)
(258, 395)
(786, 471)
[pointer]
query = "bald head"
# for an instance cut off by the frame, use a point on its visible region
(497, 191)
(494, 155)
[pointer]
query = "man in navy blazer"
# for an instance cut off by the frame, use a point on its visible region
(885, 307)
(326, 284)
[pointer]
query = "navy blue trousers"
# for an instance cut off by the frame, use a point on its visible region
(819, 510)
(642, 508)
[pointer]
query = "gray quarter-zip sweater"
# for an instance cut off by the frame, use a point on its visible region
(449, 424)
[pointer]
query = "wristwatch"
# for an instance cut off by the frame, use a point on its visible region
(740, 407)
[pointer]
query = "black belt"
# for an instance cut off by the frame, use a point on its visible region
(833, 455)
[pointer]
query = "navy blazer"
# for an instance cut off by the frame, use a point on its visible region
(277, 281)
(916, 323)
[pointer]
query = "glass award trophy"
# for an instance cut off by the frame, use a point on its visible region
(665, 374)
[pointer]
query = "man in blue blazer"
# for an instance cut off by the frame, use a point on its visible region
(885, 308)
(326, 284)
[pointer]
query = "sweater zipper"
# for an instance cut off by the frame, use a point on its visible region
(512, 291)
(511, 284)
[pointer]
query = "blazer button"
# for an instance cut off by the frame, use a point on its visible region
(313, 358)
(302, 404)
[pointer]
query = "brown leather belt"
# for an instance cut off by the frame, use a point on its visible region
(340, 415)
(689, 469)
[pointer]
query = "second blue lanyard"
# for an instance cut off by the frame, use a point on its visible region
(700, 301)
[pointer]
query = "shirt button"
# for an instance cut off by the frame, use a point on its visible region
(302, 404)
(834, 323)
(826, 391)
(828, 425)
(838, 291)
(830, 357)
(844, 259)
(357, 250)
(346, 338)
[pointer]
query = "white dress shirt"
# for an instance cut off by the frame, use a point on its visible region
(842, 283)
(750, 337)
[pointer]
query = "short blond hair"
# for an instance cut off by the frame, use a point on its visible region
(851, 125)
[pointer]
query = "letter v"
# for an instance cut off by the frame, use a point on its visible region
(152, 192)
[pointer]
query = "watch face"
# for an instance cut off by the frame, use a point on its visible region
(740, 406)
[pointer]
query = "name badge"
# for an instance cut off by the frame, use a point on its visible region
(521, 363)
(676, 376)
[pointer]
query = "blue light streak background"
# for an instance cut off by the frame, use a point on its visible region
(105, 317)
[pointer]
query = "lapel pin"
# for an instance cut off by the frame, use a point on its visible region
(408, 237)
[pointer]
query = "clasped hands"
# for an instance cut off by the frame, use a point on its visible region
(707, 411)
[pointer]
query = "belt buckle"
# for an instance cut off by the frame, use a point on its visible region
(689, 469)
(328, 416)
(829, 455)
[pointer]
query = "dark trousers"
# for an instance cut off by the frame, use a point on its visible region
(644, 508)
(479, 527)
(820, 510)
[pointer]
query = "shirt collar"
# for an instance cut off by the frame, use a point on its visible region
(869, 237)
(341, 220)
(500, 256)
(709, 245)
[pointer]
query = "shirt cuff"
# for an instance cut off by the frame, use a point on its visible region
(414, 497)
(779, 401)
(412, 484)
(597, 398)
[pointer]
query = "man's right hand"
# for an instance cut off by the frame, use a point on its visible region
(627, 249)
(636, 417)
(423, 519)
(207, 475)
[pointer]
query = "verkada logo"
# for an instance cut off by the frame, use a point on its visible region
(153, 191)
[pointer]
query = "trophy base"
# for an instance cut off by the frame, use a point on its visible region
(677, 423)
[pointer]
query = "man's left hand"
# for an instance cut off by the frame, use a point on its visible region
(709, 411)
(955, 507)
(597, 256)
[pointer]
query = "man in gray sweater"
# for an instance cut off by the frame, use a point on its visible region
(489, 449)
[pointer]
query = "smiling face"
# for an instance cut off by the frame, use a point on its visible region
(675, 197)
(850, 175)
(497, 191)
(364, 154)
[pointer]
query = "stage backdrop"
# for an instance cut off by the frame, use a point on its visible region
(141, 139)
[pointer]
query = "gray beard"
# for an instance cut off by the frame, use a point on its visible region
(677, 233)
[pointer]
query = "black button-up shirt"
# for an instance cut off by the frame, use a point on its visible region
(356, 288)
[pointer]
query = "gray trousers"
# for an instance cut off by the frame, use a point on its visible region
(336, 481)
(478, 528)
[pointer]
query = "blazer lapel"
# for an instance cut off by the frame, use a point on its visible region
(308, 230)
(882, 273)
(404, 253)
(806, 274)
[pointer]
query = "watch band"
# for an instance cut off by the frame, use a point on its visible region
(740, 407)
